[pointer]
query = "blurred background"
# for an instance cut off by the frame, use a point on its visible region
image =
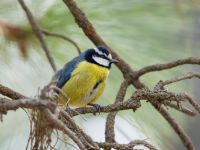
(142, 32)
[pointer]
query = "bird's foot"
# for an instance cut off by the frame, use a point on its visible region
(97, 106)
(69, 110)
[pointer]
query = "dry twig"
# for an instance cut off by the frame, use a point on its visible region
(38, 33)
(182, 109)
(47, 33)
(159, 67)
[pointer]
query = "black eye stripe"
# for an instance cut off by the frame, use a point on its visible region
(103, 56)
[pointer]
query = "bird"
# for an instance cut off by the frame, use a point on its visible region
(83, 79)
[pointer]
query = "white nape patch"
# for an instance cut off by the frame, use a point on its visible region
(101, 61)
(110, 56)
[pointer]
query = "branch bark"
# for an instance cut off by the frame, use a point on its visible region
(110, 121)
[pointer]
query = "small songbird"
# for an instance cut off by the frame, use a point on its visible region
(83, 78)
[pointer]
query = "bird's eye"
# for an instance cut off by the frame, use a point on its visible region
(103, 56)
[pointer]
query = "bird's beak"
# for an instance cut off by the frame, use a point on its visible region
(114, 61)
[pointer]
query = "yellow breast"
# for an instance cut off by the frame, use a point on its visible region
(85, 85)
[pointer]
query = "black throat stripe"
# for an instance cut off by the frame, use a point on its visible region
(97, 84)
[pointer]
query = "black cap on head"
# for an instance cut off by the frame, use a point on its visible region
(103, 49)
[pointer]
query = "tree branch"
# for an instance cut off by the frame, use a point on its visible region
(47, 33)
(178, 129)
(110, 121)
(181, 109)
(129, 146)
(190, 75)
(130, 104)
(6, 104)
(10, 93)
(38, 33)
(160, 67)
(91, 33)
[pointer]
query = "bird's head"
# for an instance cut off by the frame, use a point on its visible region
(100, 56)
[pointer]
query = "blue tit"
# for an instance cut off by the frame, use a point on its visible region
(83, 78)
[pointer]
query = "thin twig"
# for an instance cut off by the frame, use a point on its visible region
(47, 33)
(181, 109)
(159, 67)
(38, 34)
(189, 75)
(156, 102)
(193, 103)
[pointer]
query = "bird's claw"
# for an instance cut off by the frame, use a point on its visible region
(97, 106)
(69, 110)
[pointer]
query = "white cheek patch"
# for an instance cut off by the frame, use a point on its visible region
(101, 61)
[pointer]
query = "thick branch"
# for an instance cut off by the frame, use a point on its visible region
(90, 32)
(129, 146)
(178, 129)
(130, 104)
(25, 103)
(110, 121)
(10, 93)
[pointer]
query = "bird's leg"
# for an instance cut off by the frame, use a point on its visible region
(69, 110)
(97, 106)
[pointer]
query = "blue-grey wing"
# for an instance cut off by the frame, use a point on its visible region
(63, 75)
